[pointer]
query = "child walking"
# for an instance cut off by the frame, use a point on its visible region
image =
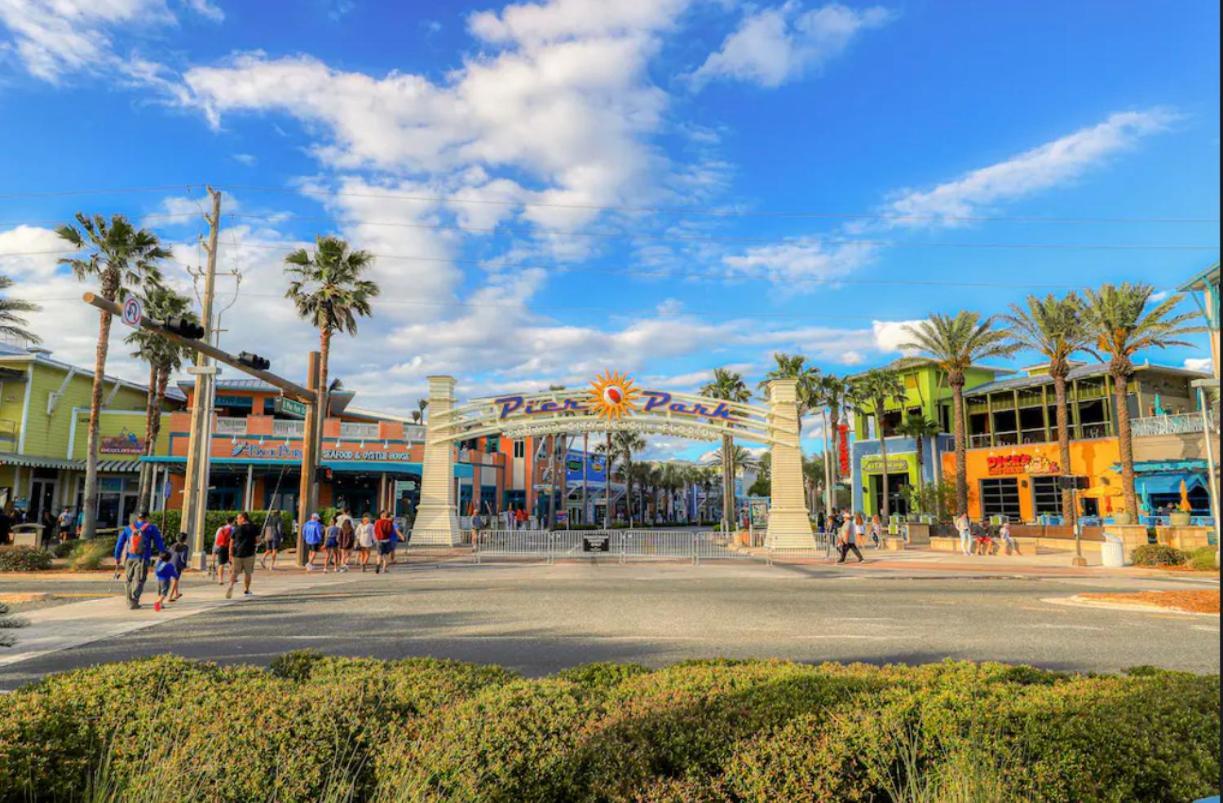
(167, 576)
(179, 553)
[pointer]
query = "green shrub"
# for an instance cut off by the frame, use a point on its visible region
(170, 522)
(1157, 555)
(601, 675)
(62, 549)
(1203, 559)
(88, 555)
(24, 559)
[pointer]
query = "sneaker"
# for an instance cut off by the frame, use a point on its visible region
(229, 593)
(378, 569)
(157, 605)
(248, 593)
(309, 567)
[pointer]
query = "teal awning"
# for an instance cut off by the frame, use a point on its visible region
(1167, 484)
(345, 466)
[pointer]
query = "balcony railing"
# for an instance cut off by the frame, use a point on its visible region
(353, 429)
(288, 429)
(10, 435)
(1090, 431)
(978, 441)
(231, 426)
(1179, 424)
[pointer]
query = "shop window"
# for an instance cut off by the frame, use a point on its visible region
(1000, 497)
(1046, 496)
(520, 448)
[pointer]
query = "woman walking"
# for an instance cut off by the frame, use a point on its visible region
(964, 528)
(877, 531)
(331, 545)
(348, 538)
(365, 541)
(272, 538)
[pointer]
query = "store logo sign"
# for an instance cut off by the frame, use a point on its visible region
(1002, 465)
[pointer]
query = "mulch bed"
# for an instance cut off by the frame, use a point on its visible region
(1188, 601)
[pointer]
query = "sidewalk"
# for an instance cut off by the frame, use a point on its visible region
(72, 625)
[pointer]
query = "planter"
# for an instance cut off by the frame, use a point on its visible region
(1123, 517)
(1179, 518)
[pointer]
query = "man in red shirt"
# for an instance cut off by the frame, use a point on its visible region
(220, 549)
(384, 535)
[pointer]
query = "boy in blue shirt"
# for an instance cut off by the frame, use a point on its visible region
(167, 577)
(134, 551)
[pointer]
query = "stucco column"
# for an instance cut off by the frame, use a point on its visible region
(436, 521)
(789, 522)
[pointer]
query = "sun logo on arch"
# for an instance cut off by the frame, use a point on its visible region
(613, 395)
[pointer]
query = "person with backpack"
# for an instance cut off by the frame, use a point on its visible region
(167, 575)
(220, 548)
(134, 552)
(851, 532)
(272, 539)
(312, 536)
(242, 550)
(384, 535)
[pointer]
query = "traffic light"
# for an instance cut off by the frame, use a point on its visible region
(253, 361)
(184, 326)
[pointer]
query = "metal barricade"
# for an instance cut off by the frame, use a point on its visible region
(823, 547)
(513, 544)
(655, 545)
(717, 545)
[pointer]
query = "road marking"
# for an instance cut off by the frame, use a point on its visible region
(1206, 629)
(1051, 626)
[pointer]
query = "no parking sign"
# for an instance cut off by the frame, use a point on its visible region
(132, 312)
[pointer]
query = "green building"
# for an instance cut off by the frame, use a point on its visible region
(44, 424)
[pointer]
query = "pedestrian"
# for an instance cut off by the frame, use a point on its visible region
(821, 521)
(220, 548)
(964, 528)
(384, 535)
(876, 529)
(167, 577)
(850, 532)
(134, 552)
(331, 545)
(1008, 542)
(348, 539)
(520, 518)
(242, 550)
(64, 522)
(312, 535)
(365, 540)
(180, 553)
(984, 542)
(273, 536)
(6, 526)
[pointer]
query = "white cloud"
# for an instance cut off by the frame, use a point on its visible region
(776, 45)
(889, 335)
(39, 249)
(1203, 364)
(206, 9)
(248, 159)
(1042, 168)
(800, 263)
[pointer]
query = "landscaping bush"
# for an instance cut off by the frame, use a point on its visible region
(62, 549)
(88, 555)
(322, 727)
(1158, 555)
(24, 559)
(170, 522)
(1203, 559)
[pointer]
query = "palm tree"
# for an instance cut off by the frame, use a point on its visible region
(328, 291)
(12, 315)
(123, 256)
(807, 377)
(919, 428)
(625, 443)
(954, 344)
(727, 385)
(870, 394)
(164, 357)
(1054, 327)
(1121, 325)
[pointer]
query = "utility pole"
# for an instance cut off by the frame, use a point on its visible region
(195, 487)
(312, 430)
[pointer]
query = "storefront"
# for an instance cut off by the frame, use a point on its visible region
(901, 474)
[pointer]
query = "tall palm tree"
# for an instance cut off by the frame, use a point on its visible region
(870, 393)
(830, 394)
(1121, 325)
(954, 344)
(328, 290)
(122, 257)
(12, 315)
(919, 429)
(164, 357)
(625, 443)
(807, 377)
(727, 385)
(1054, 327)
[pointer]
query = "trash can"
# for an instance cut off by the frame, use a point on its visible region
(1112, 552)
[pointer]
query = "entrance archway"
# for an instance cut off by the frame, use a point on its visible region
(612, 403)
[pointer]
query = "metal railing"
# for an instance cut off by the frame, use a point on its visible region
(1179, 424)
(1091, 431)
(288, 429)
(823, 547)
(227, 425)
(620, 545)
(355, 429)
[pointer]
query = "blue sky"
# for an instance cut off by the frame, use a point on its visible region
(557, 188)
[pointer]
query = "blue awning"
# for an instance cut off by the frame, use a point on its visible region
(346, 466)
(1166, 484)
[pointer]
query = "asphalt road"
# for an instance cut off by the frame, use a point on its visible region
(537, 619)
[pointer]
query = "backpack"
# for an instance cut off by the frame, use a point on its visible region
(135, 542)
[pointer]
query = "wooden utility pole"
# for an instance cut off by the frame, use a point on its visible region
(195, 486)
(312, 430)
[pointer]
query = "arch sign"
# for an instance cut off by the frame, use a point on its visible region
(612, 402)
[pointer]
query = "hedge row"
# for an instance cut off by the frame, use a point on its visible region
(324, 728)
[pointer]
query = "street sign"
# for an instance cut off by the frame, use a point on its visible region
(132, 312)
(289, 407)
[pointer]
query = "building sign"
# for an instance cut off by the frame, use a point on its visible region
(1002, 465)
(123, 443)
(282, 452)
(594, 465)
(873, 464)
(612, 396)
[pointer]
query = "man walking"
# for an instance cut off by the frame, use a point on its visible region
(243, 543)
(964, 528)
(134, 552)
(850, 533)
(312, 535)
(384, 535)
(65, 525)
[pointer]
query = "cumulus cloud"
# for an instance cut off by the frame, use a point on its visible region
(800, 263)
(890, 335)
(775, 45)
(1044, 167)
(1202, 364)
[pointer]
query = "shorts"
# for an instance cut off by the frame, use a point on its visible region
(313, 546)
(272, 544)
(163, 588)
(244, 566)
(222, 556)
(332, 543)
(386, 547)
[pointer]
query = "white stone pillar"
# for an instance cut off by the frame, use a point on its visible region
(789, 522)
(436, 519)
